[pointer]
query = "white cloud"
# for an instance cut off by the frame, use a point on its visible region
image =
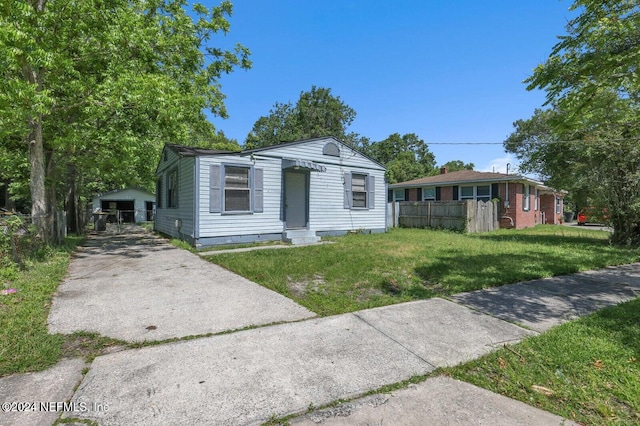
(499, 165)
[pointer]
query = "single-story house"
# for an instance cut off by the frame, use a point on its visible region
(297, 192)
(130, 205)
(523, 202)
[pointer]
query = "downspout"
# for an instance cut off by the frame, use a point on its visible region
(506, 199)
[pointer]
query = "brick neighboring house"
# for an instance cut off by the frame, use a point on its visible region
(524, 202)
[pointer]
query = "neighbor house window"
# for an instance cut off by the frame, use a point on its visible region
(359, 190)
(477, 193)
(558, 205)
(398, 195)
(466, 193)
(537, 203)
(172, 188)
(428, 194)
(526, 197)
(237, 191)
(483, 193)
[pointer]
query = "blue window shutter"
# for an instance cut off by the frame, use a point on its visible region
(215, 190)
(258, 197)
(438, 193)
(371, 190)
(455, 193)
(348, 201)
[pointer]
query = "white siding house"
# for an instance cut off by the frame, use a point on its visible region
(131, 205)
(296, 191)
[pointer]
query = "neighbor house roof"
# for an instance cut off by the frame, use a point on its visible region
(465, 176)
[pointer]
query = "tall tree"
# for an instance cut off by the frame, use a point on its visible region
(92, 88)
(593, 87)
(457, 165)
(406, 157)
(317, 113)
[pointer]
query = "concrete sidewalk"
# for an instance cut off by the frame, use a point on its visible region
(250, 376)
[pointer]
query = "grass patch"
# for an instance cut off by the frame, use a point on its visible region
(587, 370)
(25, 344)
(365, 271)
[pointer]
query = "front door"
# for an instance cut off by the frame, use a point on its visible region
(296, 199)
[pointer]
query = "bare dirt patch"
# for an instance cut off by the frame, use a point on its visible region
(301, 288)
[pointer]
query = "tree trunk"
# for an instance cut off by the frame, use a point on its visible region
(50, 191)
(36, 152)
(37, 179)
(71, 201)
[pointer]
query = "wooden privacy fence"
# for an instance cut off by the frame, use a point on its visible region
(469, 216)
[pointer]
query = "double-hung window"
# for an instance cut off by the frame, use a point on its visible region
(398, 194)
(172, 188)
(483, 193)
(428, 194)
(526, 197)
(466, 193)
(359, 191)
(237, 189)
(476, 193)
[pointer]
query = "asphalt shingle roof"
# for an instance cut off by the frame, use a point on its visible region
(462, 176)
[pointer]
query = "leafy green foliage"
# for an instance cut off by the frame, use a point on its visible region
(457, 165)
(93, 89)
(406, 157)
(317, 113)
(25, 343)
(588, 140)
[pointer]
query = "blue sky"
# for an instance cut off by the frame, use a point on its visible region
(450, 71)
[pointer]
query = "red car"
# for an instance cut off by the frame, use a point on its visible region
(592, 215)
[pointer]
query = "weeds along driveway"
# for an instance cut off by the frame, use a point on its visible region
(137, 287)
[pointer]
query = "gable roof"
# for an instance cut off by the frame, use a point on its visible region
(188, 151)
(464, 176)
(185, 151)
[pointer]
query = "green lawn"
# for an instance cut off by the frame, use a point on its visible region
(586, 370)
(25, 344)
(363, 271)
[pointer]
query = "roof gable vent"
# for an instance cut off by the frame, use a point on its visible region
(331, 149)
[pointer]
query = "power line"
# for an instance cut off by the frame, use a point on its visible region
(582, 141)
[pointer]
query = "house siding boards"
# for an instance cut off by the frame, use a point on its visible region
(324, 169)
(166, 217)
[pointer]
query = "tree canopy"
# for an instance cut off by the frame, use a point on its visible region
(91, 90)
(317, 113)
(457, 165)
(406, 157)
(588, 138)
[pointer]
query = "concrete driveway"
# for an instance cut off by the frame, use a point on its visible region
(137, 287)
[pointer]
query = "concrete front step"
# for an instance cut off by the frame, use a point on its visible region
(300, 236)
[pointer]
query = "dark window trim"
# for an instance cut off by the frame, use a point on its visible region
(173, 193)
